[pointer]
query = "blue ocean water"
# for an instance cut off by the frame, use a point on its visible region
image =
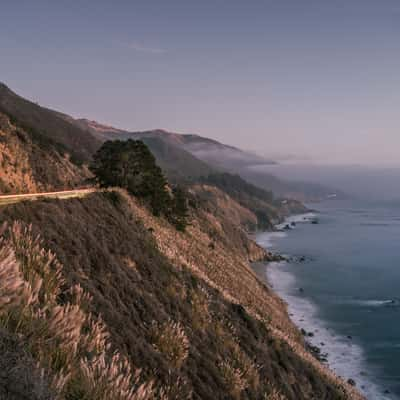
(347, 291)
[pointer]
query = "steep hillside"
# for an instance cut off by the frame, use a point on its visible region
(185, 308)
(218, 156)
(210, 151)
(301, 191)
(183, 157)
(268, 210)
(178, 164)
(49, 124)
(28, 164)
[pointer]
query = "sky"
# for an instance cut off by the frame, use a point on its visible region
(294, 80)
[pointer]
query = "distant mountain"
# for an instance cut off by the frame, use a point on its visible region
(80, 138)
(178, 163)
(302, 191)
(102, 299)
(197, 156)
(209, 150)
(183, 157)
(205, 149)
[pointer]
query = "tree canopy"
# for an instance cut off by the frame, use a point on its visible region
(131, 165)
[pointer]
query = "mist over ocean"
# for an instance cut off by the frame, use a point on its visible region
(368, 183)
(347, 291)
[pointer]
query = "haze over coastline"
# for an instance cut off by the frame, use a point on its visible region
(315, 79)
(200, 200)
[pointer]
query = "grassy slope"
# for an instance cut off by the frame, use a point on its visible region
(48, 125)
(141, 273)
(27, 166)
(267, 210)
(178, 164)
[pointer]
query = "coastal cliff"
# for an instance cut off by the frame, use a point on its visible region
(184, 308)
(103, 298)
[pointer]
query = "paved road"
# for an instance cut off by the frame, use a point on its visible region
(64, 194)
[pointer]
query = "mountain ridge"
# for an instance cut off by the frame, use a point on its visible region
(101, 299)
(49, 124)
(220, 157)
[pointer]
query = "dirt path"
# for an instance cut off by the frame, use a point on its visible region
(64, 194)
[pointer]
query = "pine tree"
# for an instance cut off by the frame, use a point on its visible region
(179, 211)
(130, 165)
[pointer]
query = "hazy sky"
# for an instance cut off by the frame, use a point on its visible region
(317, 79)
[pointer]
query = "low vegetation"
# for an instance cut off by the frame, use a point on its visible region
(169, 338)
(29, 165)
(193, 320)
(259, 201)
(49, 127)
(69, 344)
(117, 296)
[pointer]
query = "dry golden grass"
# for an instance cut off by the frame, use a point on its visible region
(169, 338)
(225, 268)
(69, 344)
(138, 269)
(26, 167)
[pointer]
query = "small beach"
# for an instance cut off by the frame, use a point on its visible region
(331, 295)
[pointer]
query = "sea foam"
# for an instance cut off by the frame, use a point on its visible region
(345, 357)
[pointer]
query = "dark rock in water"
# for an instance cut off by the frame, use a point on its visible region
(349, 337)
(322, 344)
(316, 352)
(386, 391)
(293, 223)
(277, 258)
(303, 331)
(351, 382)
(310, 334)
(287, 227)
(301, 290)
(323, 357)
(315, 222)
(302, 259)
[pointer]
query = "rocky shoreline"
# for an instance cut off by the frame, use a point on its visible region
(316, 350)
(342, 352)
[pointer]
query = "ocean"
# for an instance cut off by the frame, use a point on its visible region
(342, 284)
